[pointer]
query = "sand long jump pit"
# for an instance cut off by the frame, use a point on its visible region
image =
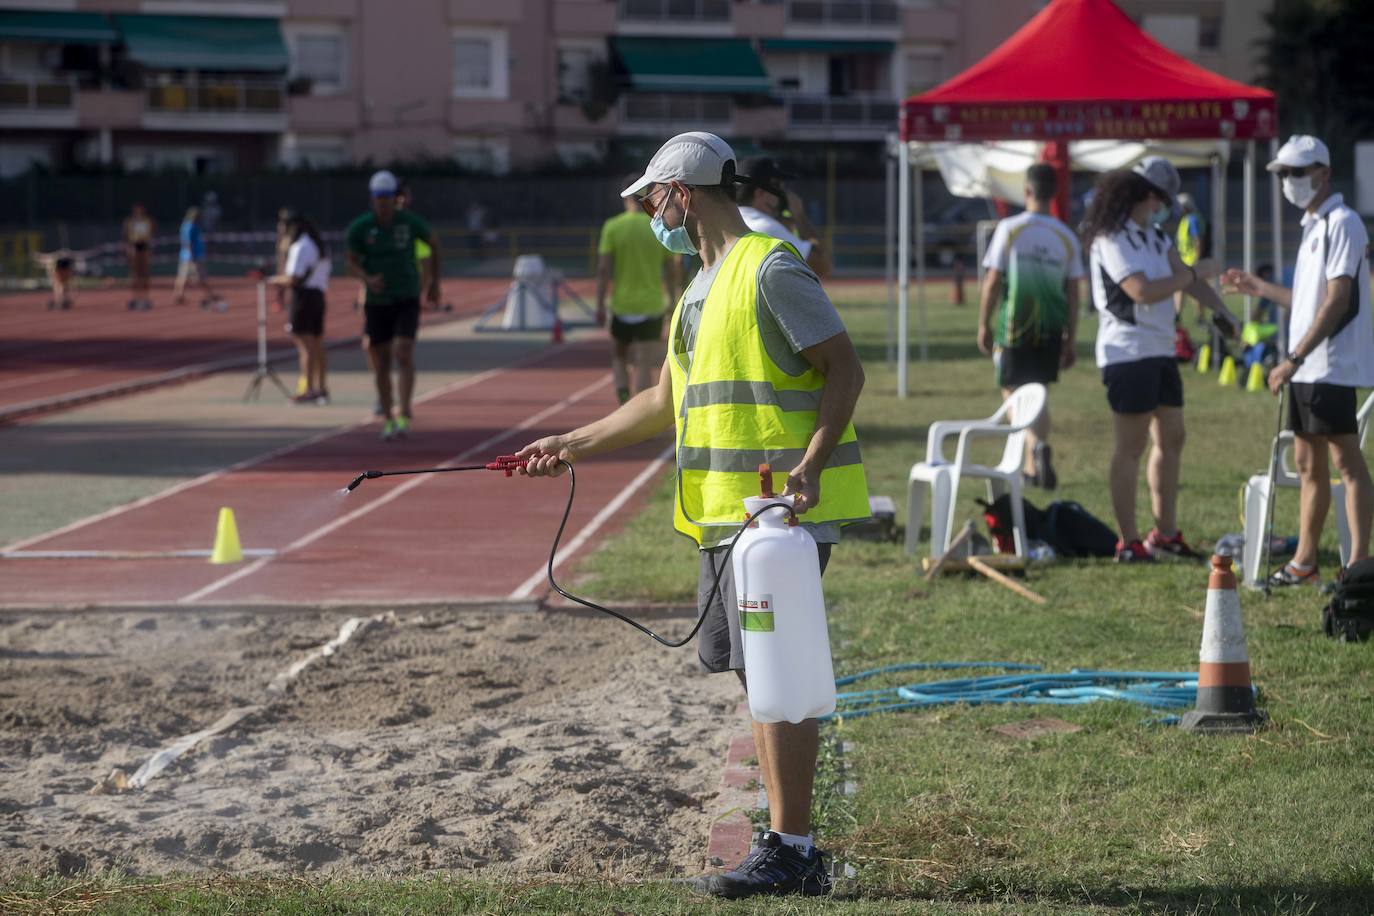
(436, 739)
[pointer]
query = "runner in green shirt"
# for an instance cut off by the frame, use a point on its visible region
(638, 271)
(381, 253)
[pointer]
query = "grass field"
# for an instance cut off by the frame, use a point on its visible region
(949, 816)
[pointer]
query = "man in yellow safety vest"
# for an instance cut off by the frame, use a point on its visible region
(759, 370)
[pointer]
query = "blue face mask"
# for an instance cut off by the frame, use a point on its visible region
(1161, 216)
(675, 240)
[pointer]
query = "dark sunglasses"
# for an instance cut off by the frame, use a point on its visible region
(1297, 173)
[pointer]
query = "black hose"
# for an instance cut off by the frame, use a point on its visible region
(706, 605)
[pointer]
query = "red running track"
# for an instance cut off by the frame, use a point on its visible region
(443, 537)
(99, 343)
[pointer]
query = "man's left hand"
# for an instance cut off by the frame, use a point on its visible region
(803, 482)
(1068, 355)
(434, 296)
(1280, 375)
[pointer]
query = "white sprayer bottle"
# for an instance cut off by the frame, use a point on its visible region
(782, 614)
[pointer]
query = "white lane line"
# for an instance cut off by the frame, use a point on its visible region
(481, 447)
(268, 456)
(608, 510)
(123, 554)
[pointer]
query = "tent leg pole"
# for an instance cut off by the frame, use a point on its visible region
(1276, 234)
(903, 260)
(919, 193)
(890, 255)
(1249, 228)
(1218, 231)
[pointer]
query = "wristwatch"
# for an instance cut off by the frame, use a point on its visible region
(1294, 358)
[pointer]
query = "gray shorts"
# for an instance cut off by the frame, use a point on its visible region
(718, 644)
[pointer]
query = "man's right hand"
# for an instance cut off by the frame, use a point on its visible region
(544, 457)
(984, 340)
(375, 283)
(1235, 280)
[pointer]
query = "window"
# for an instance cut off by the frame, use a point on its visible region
(318, 151)
(482, 154)
(1209, 33)
(924, 70)
(575, 63)
(479, 64)
(318, 55)
(1178, 33)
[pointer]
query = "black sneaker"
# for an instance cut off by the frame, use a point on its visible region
(774, 868)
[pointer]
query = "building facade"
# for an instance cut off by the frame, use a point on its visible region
(222, 85)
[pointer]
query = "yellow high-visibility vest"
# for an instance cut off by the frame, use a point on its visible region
(736, 409)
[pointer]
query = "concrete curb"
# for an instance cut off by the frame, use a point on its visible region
(741, 793)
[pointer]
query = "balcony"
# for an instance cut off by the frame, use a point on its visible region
(702, 12)
(37, 101)
(841, 116)
(662, 114)
(233, 105)
(862, 14)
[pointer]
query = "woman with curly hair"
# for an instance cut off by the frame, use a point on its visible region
(1135, 271)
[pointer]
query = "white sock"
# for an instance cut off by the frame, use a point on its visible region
(796, 841)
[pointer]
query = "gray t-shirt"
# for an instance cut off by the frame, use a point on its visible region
(794, 313)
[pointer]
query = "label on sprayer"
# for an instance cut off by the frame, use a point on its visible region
(756, 613)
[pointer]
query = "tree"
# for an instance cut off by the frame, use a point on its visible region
(1318, 60)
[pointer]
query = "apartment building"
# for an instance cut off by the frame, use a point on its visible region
(219, 85)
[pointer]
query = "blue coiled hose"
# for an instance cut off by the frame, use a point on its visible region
(1155, 690)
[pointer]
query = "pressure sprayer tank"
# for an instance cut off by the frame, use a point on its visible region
(782, 617)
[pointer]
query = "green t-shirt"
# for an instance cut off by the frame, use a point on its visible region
(1037, 256)
(639, 258)
(389, 251)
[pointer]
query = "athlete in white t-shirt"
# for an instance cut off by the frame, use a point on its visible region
(767, 206)
(1332, 339)
(306, 274)
(1028, 314)
(1135, 272)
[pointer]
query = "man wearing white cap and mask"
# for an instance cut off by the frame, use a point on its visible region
(1331, 352)
(759, 369)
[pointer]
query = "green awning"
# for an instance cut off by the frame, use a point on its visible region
(67, 28)
(835, 46)
(727, 65)
(204, 42)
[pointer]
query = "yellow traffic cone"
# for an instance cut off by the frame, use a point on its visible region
(1227, 376)
(302, 384)
(1204, 359)
(1255, 380)
(227, 549)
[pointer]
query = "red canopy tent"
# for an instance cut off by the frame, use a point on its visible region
(1078, 70)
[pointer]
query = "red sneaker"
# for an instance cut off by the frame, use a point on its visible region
(1133, 552)
(1174, 546)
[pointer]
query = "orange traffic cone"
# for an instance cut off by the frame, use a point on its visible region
(1225, 697)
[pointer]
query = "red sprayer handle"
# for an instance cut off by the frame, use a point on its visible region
(507, 463)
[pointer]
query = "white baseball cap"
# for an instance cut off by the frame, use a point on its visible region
(1300, 151)
(382, 184)
(1161, 173)
(693, 158)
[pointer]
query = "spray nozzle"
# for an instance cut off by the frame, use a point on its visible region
(507, 463)
(365, 475)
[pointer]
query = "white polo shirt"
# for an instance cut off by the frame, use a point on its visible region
(303, 256)
(1128, 331)
(758, 221)
(1333, 245)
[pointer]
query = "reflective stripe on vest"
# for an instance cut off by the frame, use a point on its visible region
(737, 409)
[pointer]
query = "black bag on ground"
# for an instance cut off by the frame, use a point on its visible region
(1065, 525)
(1349, 616)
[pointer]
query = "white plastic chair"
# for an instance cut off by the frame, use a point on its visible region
(1256, 500)
(938, 478)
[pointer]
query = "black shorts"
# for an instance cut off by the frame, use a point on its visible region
(1320, 409)
(718, 644)
(634, 332)
(1143, 384)
(307, 312)
(1017, 366)
(381, 323)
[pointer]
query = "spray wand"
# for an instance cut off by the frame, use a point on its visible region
(509, 464)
